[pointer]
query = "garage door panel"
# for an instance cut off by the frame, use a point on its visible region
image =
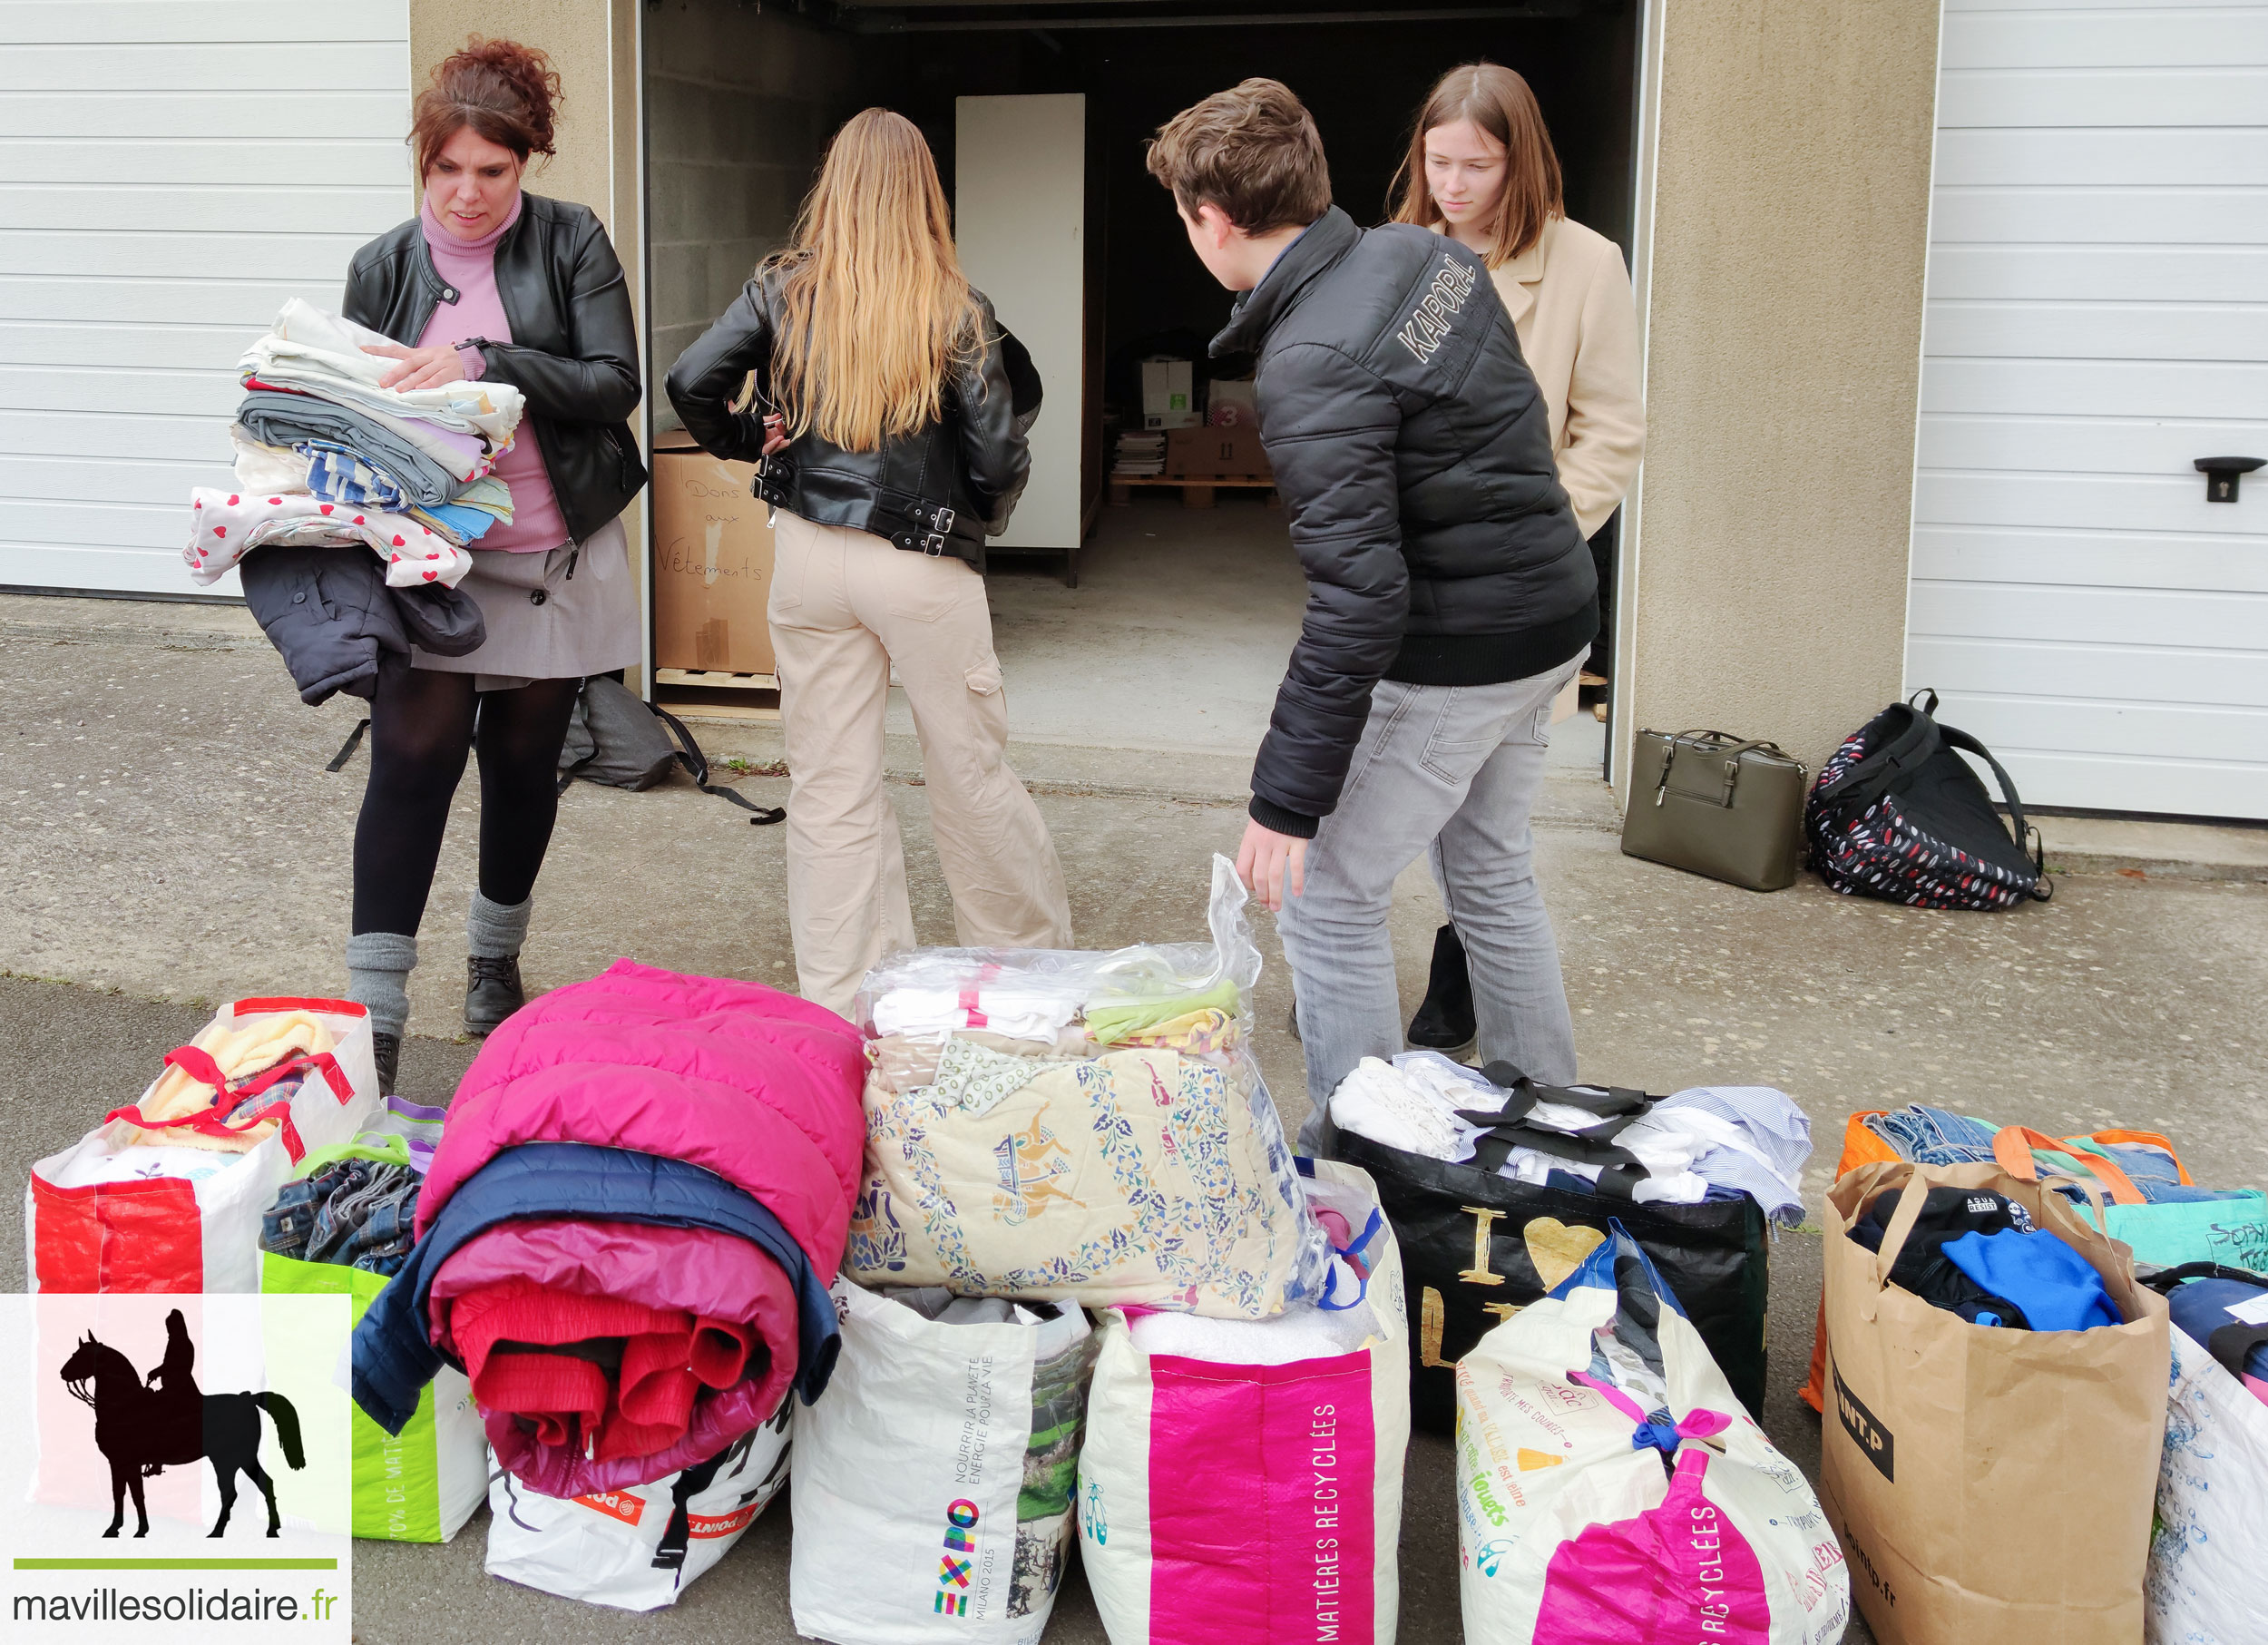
(84, 389)
(2140, 388)
(2122, 331)
(247, 306)
(2012, 156)
(2104, 503)
(164, 482)
(2101, 97)
(2200, 274)
(2133, 673)
(97, 343)
(2091, 559)
(170, 175)
(2197, 214)
(2132, 730)
(2177, 37)
(220, 165)
(198, 440)
(2163, 788)
(153, 527)
(367, 22)
(2016, 611)
(238, 67)
(167, 114)
(272, 210)
(119, 571)
(2076, 444)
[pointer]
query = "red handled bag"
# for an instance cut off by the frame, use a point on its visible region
(166, 1194)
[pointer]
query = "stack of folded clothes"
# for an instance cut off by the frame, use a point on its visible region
(1710, 1142)
(629, 1229)
(327, 456)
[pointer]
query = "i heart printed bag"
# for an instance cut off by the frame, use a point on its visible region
(166, 1194)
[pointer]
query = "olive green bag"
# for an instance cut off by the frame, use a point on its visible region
(1711, 803)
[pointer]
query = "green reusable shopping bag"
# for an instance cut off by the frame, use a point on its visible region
(2232, 1232)
(422, 1485)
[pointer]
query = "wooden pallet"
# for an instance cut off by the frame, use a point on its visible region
(714, 694)
(1194, 494)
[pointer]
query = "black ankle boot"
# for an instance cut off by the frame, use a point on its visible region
(1445, 1021)
(385, 1049)
(493, 991)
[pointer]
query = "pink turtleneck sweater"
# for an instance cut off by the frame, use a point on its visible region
(470, 266)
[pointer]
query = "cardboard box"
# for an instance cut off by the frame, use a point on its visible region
(1217, 453)
(712, 564)
(1168, 395)
(1232, 403)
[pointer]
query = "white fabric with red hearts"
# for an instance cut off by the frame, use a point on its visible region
(226, 526)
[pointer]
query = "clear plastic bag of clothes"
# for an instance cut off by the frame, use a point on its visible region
(1081, 1127)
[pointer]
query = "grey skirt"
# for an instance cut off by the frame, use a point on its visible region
(564, 614)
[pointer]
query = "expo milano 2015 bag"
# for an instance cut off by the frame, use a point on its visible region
(1989, 1482)
(932, 1493)
(1610, 1490)
(166, 1194)
(1242, 1478)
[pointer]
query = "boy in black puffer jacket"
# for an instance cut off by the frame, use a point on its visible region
(1450, 593)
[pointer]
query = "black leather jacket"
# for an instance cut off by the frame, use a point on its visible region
(573, 351)
(942, 490)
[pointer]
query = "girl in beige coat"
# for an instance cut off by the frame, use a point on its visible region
(1481, 169)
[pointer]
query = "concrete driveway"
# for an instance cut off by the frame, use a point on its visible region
(169, 839)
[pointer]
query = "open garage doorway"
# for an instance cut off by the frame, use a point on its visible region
(1152, 612)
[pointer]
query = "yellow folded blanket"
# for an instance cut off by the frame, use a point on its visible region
(241, 1048)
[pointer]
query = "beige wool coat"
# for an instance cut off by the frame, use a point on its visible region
(1569, 296)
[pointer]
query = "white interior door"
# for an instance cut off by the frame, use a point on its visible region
(2098, 320)
(171, 172)
(1019, 224)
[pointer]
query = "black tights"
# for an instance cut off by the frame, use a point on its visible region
(423, 723)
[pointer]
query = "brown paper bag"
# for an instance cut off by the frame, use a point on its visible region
(1988, 1484)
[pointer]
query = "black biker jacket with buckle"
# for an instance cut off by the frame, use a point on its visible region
(941, 490)
(574, 352)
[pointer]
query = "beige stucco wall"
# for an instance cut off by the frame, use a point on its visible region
(1790, 221)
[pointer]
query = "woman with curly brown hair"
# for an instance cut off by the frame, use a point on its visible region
(490, 282)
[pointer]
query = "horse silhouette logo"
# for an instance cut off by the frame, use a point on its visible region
(1029, 1162)
(144, 1426)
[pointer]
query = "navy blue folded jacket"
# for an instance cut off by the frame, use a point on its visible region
(394, 1354)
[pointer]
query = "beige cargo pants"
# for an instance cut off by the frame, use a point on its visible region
(845, 606)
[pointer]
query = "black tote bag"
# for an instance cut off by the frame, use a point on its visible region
(1476, 1246)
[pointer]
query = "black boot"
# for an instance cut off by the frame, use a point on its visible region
(493, 991)
(385, 1049)
(1445, 1021)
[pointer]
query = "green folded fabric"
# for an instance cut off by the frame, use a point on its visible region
(1108, 1024)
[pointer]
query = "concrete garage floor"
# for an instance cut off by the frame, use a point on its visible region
(169, 839)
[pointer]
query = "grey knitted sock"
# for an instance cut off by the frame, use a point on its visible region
(379, 964)
(494, 931)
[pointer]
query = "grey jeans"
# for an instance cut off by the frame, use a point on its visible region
(1456, 767)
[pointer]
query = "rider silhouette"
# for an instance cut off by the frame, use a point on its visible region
(177, 1405)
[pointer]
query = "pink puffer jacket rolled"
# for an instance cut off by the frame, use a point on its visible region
(756, 1085)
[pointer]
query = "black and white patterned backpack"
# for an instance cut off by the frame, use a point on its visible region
(1897, 814)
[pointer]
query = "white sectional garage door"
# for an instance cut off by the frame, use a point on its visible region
(171, 171)
(2098, 320)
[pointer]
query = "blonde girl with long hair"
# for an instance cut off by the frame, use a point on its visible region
(1481, 169)
(890, 414)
